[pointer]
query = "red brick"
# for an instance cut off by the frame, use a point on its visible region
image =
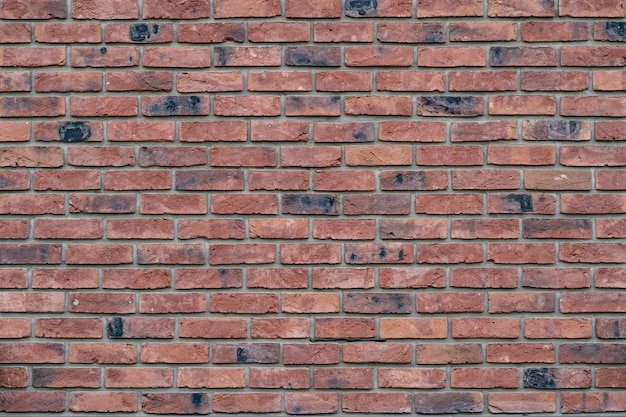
(604, 8)
(455, 353)
(13, 278)
(310, 253)
(64, 278)
(388, 56)
(548, 31)
(24, 401)
(104, 353)
(139, 81)
(247, 402)
(14, 229)
(18, 56)
(194, 180)
(610, 328)
(278, 31)
(15, 131)
(340, 229)
(110, 303)
(518, 105)
(49, 377)
(138, 32)
(366, 352)
(130, 131)
(485, 229)
(224, 254)
(96, 57)
(32, 107)
(278, 180)
(312, 106)
(556, 130)
(484, 378)
(247, 105)
(100, 156)
(376, 402)
(449, 204)
(505, 328)
(482, 31)
(32, 302)
(310, 157)
(485, 179)
(211, 228)
(541, 253)
(211, 378)
(343, 80)
(512, 8)
(411, 278)
(159, 403)
(28, 352)
(14, 9)
(103, 402)
(343, 378)
(138, 378)
(413, 328)
(283, 327)
(554, 80)
(343, 31)
(596, 56)
(279, 228)
(483, 277)
(176, 56)
(246, 353)
(482, 81)
(15, 32)
(212, 328)
(343, 278)
(313, 9)
(74, 328)
(172, 303)
(522, 402)
(344, 132)
(509, 302)
(279, 81)
(250, 303)
(82, 32)
(168, 204)
(248, 56)
(449, 402)
(107, 9)
(228, 130)
(424, 378)
(435, 8)
(557, 377)
(15, 81)
(140, 328)
(557, 228)
(174, 352)
(188, 278)
(244, 204)
(30, 254)
(451, 56)
(408, 32)
(346, 327)
(601, 204)
(552, 328)
(410, 81)
(318, 353)
(458, 302)
(15, 328)
(135, 278)
(279, 378)
(610, 228)
(521, 352)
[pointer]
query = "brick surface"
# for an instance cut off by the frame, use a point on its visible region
(306, 207)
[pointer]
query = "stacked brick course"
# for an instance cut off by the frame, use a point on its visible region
(312, 206)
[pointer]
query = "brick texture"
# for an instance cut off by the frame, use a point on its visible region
(301, 207)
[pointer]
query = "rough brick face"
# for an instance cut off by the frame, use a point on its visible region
(307, 207)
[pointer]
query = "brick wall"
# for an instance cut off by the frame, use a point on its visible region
(312, 206)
